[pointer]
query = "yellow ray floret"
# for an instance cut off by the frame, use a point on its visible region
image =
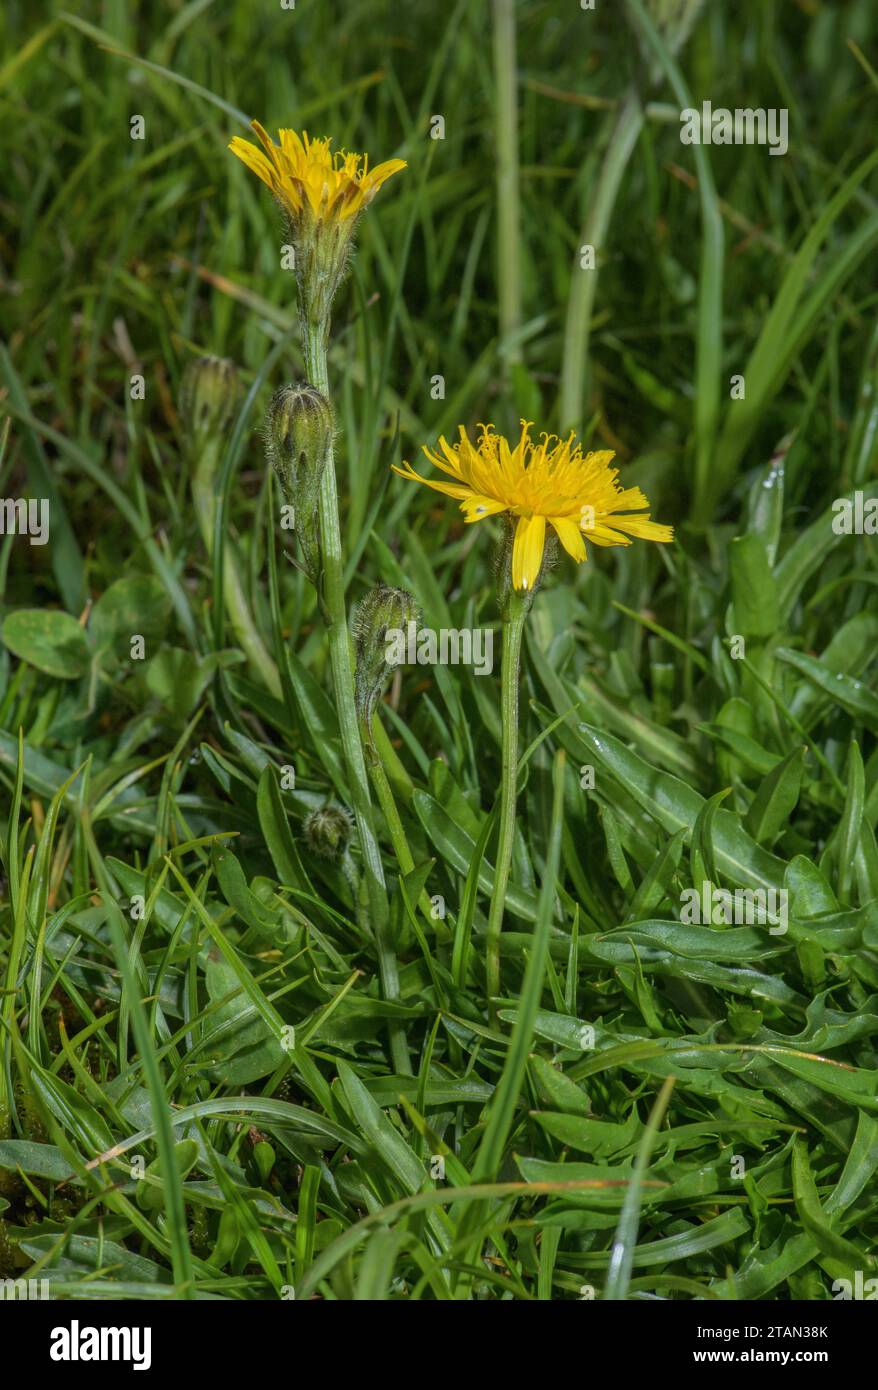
(546, 483)
(307, 178)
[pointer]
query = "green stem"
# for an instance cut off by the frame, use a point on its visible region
(387, 802)
(402, 785)
(583, 283)
(315, 336)
(503, 1107)
(245, 630)
(508, 210)
(513, 631)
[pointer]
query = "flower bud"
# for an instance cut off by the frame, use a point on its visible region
(299, 435)
(328, 831)
(208, 397)
(381, 611)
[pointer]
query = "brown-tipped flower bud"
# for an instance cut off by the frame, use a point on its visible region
(379, 625)
(328, 831)
(299, 433)
(209, 396)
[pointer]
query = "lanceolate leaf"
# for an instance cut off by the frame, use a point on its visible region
(676, 806)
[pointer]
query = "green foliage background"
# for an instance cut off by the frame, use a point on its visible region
(274, 1157)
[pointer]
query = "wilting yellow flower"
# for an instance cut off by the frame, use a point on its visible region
(310, 181)
(547, 483)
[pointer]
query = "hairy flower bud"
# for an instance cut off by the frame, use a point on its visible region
(299, 433)
(328, 831)
(382, 611)
(208, 398)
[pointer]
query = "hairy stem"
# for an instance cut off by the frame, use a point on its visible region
(315, 335)
(513, 630)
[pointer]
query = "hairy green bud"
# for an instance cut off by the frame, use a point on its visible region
(299, 434)
(328, 831)
(381, 610)
(209, 396)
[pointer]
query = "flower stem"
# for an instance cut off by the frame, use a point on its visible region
(513, 631)
(315, 336)
(391, 815)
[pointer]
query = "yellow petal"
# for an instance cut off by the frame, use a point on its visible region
(315, 187)
(570, 537)
(452, 465)
(629, 499)
(264, 136)
(382, 173)
(458, 490)
(348, 202)
(254, 159)
(527, 550)
(642, 527)
(292, 146)
(601, 534)
(477, 506)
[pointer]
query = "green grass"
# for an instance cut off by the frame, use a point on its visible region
(198, 1097)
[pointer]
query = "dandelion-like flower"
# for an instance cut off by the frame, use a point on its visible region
(308, 179)
(549, 483)
(323, 193)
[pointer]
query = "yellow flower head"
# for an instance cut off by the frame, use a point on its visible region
(551, 482)
(308, 180)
